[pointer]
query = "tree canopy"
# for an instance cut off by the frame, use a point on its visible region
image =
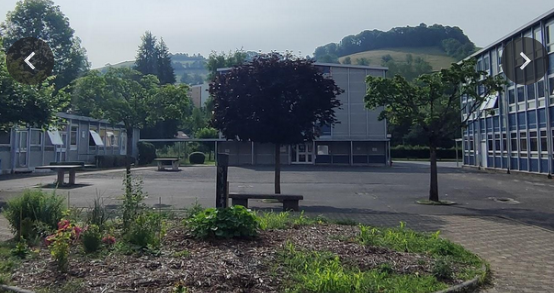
(125, 95)
(222, 60)
(25, 104)
(451, 39)
(153, 57)
(433, 102)
(44, 20)
(273, 100)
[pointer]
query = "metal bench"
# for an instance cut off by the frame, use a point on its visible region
(290, 201)
(162, 162)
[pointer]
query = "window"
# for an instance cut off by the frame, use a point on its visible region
(36, 137)
(550, 37)
(497, 142)
(521, 94)
(551, 89)
(95, 139)
(325, 130)
(480, 64)
(513, 137)
(537, 34)
(115, 138)
(544, 142)
(5, 137)
(322, 150)
(486, 63)
(505, 143)
(499, 56)
(490, 143)
(73, 137)
(533, 140)
(531, 92)
(523, 141)
(471, 145)
(22, 140)
(511, 96)
(55, 137)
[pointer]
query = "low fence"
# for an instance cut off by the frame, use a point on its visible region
(419, 152)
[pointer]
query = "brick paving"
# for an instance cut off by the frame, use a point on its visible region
(521, 256)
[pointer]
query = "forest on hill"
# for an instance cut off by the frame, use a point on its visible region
(451, 40)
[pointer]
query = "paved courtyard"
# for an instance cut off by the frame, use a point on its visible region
(515, 236)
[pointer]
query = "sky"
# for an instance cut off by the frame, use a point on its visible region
(110, 30)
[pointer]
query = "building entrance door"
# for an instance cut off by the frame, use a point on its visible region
(483, 151)
(302, 153)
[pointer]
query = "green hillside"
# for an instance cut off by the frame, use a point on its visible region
(435, 56)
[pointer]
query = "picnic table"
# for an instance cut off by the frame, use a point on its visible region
(163, 162)
(61, 169)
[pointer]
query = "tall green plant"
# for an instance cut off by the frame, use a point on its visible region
(132, 200)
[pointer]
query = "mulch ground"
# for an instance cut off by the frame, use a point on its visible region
(212, 266)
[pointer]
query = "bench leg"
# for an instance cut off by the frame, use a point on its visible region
(290, 205)
(175, 165)
(61, 174)
(159, 165)
(71, 177)
(240, 202)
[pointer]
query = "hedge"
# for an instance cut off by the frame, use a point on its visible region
(110, 161)
(147, 153)
(421, 152)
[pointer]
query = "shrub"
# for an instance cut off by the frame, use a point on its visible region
(91, 239)
(97, 215)
(197, 158)
(231, 222)
(147, 153)
(59, 243)
(20, 250)
(37, 209)
(193, 210)
(442, 269)
(147, 230)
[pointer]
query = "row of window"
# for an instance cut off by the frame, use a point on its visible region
(108, 138)
(525, 141)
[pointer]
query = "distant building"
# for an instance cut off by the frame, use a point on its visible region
(359, 139)
(200, 94)
(515, 130)
(77, 138)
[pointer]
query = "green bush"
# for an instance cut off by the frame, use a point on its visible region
(147, 230)
(147, 153)
(110, 161)
(422, 152)
(97, 215)
(38, 210)
(197, 158)
(442, 269)
(231, 222)
(91, 239)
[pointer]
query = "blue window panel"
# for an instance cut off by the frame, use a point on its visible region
(551, 63)
(521, 120)
(544, 166)
(344, 159)
(505, 162)
(552, 116)
(496, 121)
(489, 124)
(373, 159)
(323, 159)
(513, 164)
(534, 163)
(490, 162)
(325, 130)
(542, 117)
(466, 160)
(482, 125)
(512, 121)
(498, 162)
(523, 164)
(532, 118)
(359, 159)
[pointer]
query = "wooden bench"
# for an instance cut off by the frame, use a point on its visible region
(162, 162)
(61, 169)
(290, 202)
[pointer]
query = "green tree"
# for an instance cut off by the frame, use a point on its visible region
(146, 61)
(166, 74)
(362, 61)
(347, 60)
(125, 95)
(24, 104)
(433, 102)
(44, 20)
(222, 60)
(273, 100)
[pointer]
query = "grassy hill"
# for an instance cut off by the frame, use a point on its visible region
(434, 55)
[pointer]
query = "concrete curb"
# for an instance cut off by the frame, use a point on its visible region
(467, 286)
(14, 289)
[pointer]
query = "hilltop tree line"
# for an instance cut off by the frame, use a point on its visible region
(451, 39)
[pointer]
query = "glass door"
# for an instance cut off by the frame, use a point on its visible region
(303, 153)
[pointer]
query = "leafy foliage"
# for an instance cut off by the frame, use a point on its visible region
(91, 239)
(25, 104)
(197, 158)
(433, 102)
(60, 243)
(221, 60)
(31, 211)
(154, 58)
(451, 39)
(147, 152)
(98, 215)
(44, 20)
(132, 204)
(231, 222)
(147, 230)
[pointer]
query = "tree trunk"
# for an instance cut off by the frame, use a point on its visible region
(434, 186)
(277, 168)
(130, 147)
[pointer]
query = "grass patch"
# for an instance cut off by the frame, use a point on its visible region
(436, 203)
(310, 271)
(284, 220)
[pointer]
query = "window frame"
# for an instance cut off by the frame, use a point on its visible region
(534, 135)
(549, 32)
(33, 131)
(9, 135)
(73, 132)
